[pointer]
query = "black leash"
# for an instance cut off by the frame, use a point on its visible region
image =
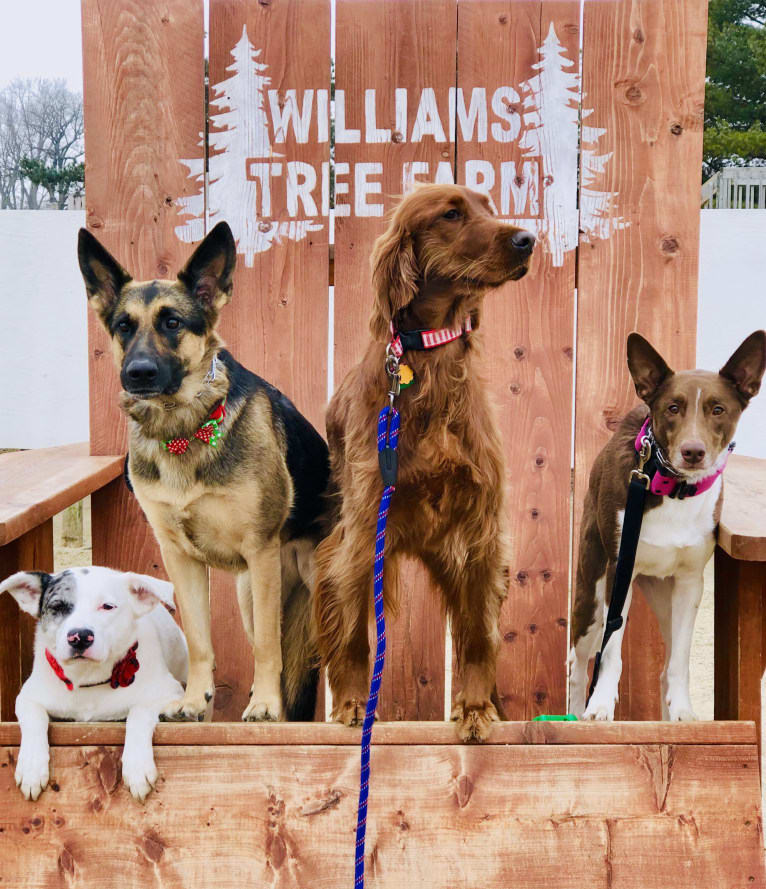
(626, 558)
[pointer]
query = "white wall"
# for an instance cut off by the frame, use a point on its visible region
(43, 339)
(732, 302)
(43, 358)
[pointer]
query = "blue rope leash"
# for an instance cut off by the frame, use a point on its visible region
(388, 436)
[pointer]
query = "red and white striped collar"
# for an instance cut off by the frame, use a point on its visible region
(418, 340)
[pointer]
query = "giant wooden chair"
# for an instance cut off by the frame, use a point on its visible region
(614, 194)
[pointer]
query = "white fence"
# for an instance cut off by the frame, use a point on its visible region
(43, 359)
(735, 188)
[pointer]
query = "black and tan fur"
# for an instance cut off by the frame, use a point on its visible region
(252, 505)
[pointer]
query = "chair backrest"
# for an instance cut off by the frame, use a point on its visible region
(604, 166)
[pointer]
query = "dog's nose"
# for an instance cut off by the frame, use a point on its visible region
(523, 241)
(80, 639)
(693, 452)
(142, 371)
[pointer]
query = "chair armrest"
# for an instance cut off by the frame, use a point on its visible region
(37, 484)
(742, 529)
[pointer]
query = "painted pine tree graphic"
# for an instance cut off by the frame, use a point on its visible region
(240, 163)
(552, 135)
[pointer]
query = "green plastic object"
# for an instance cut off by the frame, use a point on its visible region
(564, 717)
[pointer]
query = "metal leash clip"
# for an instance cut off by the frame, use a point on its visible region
(643, 456)
(394, 378)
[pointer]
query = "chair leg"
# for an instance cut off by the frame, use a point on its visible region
(31, 551)
(740, 588)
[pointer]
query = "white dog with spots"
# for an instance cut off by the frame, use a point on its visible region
(103, 651)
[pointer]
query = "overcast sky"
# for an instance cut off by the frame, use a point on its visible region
(41, 38)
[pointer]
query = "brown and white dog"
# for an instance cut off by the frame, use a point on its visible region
(692, 416)
(442, 251)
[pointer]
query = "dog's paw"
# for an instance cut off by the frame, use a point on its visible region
(682, 714)
(351, 712)
(474, 721)
(32, 771)
(599, 711)
(190, 708)
(139, 774)
(263, 708)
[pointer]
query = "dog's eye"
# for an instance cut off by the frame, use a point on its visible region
(452, 214)
(717, 410)
(673, 408)
(172, 323)
(107, 607)
(123, 326)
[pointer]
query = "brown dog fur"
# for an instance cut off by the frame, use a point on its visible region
(431, 268)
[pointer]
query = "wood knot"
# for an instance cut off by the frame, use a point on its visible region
(503, 19)
(264, 226)
(515, 388)
(547, 180)
(397, 137)
(162, 269)
(522, 577)
(510, 636)
(423, 680)
(569, 352)
(638, 35)
(66, 862)
(519, 352)
(676, 129)
(539, 697)
(561, 621)
(634, 95)
(535, 513)
(546, 575)
(539, 460)
(518, 181)
(153, 846)
(445, 153)
(463, 790)
(532, 629)
(669, 245)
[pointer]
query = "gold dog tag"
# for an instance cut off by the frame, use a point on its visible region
(406, 376)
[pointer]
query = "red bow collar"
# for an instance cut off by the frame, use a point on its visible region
(123, 672)
(209, 432)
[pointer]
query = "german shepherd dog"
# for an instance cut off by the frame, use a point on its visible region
(226, 469)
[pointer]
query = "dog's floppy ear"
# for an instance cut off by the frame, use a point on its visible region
(394, 276)
(647, 367)
(746, 366)
(26, 587)
(147, 592)
(104, 277)
(208, 273)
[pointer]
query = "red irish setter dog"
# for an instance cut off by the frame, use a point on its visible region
(442, 251)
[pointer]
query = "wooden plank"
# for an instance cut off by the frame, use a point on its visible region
(740, 592)
(229, 816)
(644, 74)
(38, 484)
(742, 531)
(528, 326)
(276, 324)
(144, 106)
(33, 551)
(385, 49)
(63, 734)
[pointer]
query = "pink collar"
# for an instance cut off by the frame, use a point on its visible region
(665, 483)
(405, 340)
(123, 672)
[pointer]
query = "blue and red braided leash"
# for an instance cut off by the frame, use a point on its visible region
(388, 437)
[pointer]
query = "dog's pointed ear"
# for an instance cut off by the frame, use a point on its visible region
(647, 367)
(394, 276)
(27, 587)
(104, 277)
(147, 592)
(746, 366)
(208, 274)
